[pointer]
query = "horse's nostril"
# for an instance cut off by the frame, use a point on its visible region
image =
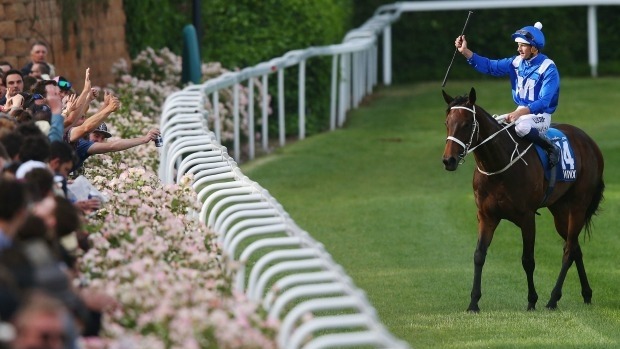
(449, 163)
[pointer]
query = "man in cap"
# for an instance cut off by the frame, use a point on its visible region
(535, 85)
(97, 143)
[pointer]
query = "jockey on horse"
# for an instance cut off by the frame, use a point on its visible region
(535, 85)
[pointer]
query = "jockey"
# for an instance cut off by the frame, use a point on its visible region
(535, 85)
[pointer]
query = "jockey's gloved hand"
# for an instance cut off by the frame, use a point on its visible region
(500, 118)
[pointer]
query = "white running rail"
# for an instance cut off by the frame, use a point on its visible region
(273, 261)
(277, 264)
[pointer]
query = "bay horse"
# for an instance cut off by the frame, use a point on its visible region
(509, 183)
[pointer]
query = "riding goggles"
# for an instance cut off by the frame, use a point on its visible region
(527, 34)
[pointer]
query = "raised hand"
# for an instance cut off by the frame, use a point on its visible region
(87, 83)
(94, 92)
(14, 101)
(71, 103)
(106, 98)
(114, 105)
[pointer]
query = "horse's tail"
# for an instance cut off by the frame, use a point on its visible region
(594, 206)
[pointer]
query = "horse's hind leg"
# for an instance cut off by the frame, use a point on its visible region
(586, 291)
(556, 293)
(569, 225)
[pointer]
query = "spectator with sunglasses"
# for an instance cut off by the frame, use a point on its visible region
(535, 85)
(64, 85)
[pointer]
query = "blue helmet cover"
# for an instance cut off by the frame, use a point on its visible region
(532, 35)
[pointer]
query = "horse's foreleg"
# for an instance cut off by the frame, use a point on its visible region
(480, 256)
(528, 234)
(485, 235)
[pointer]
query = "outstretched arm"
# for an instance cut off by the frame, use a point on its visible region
(122, 144)
(92, 122)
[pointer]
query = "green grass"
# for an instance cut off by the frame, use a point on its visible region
(376, 195)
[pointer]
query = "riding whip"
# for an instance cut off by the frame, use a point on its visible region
(443, 84)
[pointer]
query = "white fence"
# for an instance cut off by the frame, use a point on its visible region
(353, 75)
(279, 264)
(276, 263)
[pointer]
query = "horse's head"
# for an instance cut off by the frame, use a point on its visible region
(461, 125)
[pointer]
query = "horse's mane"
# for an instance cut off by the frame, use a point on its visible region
(458, 100)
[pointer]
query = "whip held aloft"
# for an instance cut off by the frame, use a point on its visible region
(443, 84)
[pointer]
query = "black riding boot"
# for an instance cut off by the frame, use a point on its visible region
(553, 152)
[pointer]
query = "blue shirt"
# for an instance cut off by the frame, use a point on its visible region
(81, 150)
(535, 83)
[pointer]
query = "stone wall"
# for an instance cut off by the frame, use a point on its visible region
(95, 39)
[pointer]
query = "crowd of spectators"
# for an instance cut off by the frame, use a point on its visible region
(46, 133)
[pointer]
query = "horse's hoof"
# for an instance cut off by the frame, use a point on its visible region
(473, 309)
(552, 306)
(531, 307)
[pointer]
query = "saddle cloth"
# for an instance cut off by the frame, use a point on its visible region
(566, 168)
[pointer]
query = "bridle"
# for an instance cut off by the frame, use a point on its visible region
(475, 133)
(475, 129)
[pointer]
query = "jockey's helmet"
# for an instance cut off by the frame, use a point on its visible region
(531, 35)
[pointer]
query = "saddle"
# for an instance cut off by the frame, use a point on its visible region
(565, 169)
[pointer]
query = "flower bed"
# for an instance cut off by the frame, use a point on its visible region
(162, 265)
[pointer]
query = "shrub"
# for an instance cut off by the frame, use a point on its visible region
(244, 33)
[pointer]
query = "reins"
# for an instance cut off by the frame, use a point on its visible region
(475, 133)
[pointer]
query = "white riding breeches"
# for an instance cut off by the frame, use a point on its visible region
(525, 123)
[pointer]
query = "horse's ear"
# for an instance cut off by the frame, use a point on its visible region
(472, 96)
(446, 97)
